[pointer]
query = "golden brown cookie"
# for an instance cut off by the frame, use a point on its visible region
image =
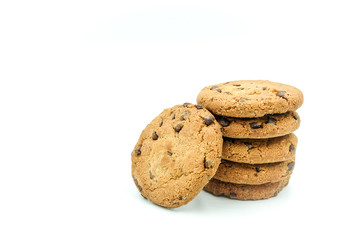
(254, 174)
(257, 151)
(176, 155)
(268, 126)
(245, 192)
(250, 98)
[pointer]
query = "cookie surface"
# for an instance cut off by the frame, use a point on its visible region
(268, 126)
(243, 191)
(176, 155)
(250, 98)
(254, 174)
(258, 151)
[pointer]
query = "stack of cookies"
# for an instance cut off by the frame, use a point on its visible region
(257, 119)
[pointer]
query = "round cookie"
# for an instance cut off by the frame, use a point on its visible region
(258, 151)
(245, 192)
(176, 155)
(242, 173)
(268, 126)
(250, 98)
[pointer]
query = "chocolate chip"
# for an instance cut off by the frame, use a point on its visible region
(226, 83)
(173, 116)
(237, 85)
(255, 125)
(218, 90)
(137, 184)
(154, 136)
(180, 197)
(243, 99)
(292, 148)
(211, 99)
(184, 115)
(161, 122)
(228, 93)
(179, 127)
(281, 94)
(198, 106)
(264, 88)
(271, 121)
(207, 163)
(257, 169)
(291, 166)
(208, 120)
(169, 153)
(224, 122)
(295, 117)
(186, 104)
(214, 87)
(249, 145)
(232, 194)
(137, 150)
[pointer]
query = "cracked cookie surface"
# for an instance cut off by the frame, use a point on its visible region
(245, 192)
(250, 98)
(176, 155)
(268, 126)
(258, 151)
(254, 174)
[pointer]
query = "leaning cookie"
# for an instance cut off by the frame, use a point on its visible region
(250, 98)
(176, 155)
(257, 151)
(245, 192)
(254, 174)
(268, 126)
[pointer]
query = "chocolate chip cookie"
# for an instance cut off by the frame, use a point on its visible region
(257, 151)
(245, 192)
(176, 155)
(254, 174)
(268, 126)
(250, 98)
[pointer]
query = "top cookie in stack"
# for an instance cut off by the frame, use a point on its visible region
(257, 119)
(253, 108)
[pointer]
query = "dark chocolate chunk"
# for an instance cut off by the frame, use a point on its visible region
(207, 163)
(198, 106)
(184, 115)
(214, 87)
(137, 150)
(186, 104)
(179, 127)
(180, 197)
(232, 194)
(173, 116)
(281, 94)
(224, 122)
(154, 136)
(256, 125)
(208, 120)
(291, 166)
(292, 148)
(264, 88)
(248, 145)
(169, 153)
(295, 117)
(161, 122)
(257, 169)
(137, 184)
(218, 90)
(271, 121)
(237, 85)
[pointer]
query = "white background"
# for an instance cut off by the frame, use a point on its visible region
(81, 79)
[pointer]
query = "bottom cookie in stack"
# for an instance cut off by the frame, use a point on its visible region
(245, 191)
